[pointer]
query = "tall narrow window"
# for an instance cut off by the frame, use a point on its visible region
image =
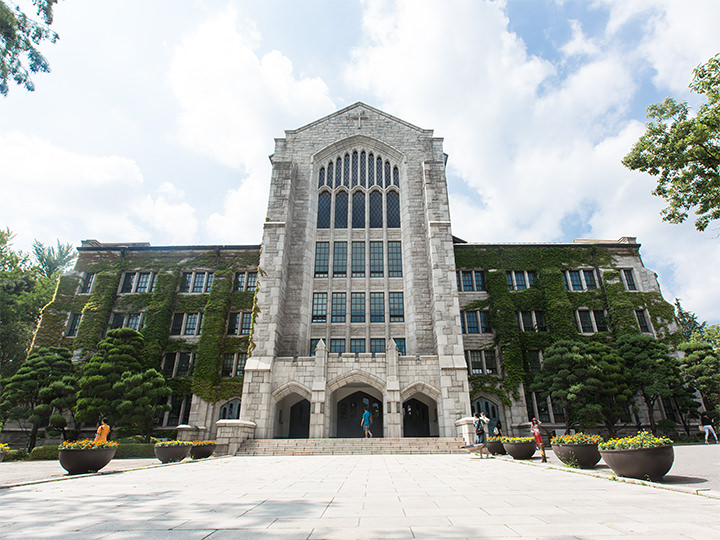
(233, 324)
(354, 169)
(531, 278)
(127, 284)
(240, 366)
(459, 282)
(338, 307)
(480, 280)
(117, 321)
(324, 203)
(387, 174)
(467, 280)
(227, 366)
(490, 362)
(251, 281)
(520, 281)
(376, 259)
(73, 324)
(363, 159)
(341, 210)
(169, 364)
(476, 362)
(330, 174)
(192, 324)
(240, 281)
(472, 322)
(176, 327)
(484, 323)
(183, 365)
(199, 282)
(371, 170)
(393, 210)
(313, 345)
(358, 210)
(322, 256)
(87, 283)
(397, 310)
(321, 177)
(600, 320)
(629, 280)
(400, 342)
(340, 259)
(377, 307)
(376, 211)
(396, 177)
(246, 325)
(378, 171)
(642, 321)
(346, 171)
(586, 325)
(143, 282)
(319, 308)
(133, 321)
(575, 281)
(338, 172)
(394, 259)
(590, 282)
(358, 259)
(357, 307)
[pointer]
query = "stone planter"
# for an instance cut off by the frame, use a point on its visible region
(643, 463)
(202, 451)
(495, 447)
(584, 456)
(172, 454)
(520, 450)
(85, 460)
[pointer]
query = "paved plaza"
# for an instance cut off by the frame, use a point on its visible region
(363, 497)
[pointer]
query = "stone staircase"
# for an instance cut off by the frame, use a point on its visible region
(378, 445)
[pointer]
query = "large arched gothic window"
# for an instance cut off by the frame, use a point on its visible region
(231, 410)
(324, 203)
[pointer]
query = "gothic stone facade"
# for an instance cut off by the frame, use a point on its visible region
(362, 298)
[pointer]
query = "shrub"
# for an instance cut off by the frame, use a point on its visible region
(135, 450)
(135, 439)
(4, 447)
(44, 453)
(16, 455)
(642, 440)
(578, 438)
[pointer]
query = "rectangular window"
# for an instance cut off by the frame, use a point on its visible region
(600, 320)
(322, 258)
(377, 345)
(629, 280)
(490, 362)
(117, 321)
(185, 282)
(240, 366)
(534, 363)
(199, 282)
(459, 282)
(479, 280)
(377, 307)
(251, 281)
(575, 281)
(376, 259)
(531, 278)
(357, 345)
(340, 259)
(394, 259)
(590, 282)
(228, 363)
(169, 364)
(467, 281)
(472, 322)
(233, 324)
(240, 281)
(209, 281)
(642, 321)
(357, 307)
(128, 281)
(527, 321)
(540, 321)
(319, 310)
(133, 321)
(87, 283)
(183, 364)
(586, 325)
(177, 323)
(73, 323)
(400, 342)
(565, 281)
(337, 346)
(313, 345)
(339, 301)
(143, 282)
(397, 310)
(358, 259)
(520, 281)
(246, 324)
(192, 324)
(484, 323)
(476, 362)
(510, 284)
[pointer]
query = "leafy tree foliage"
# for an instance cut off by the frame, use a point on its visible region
(709, 334)
(20, 37)
(590, 381)
(688, 322)
(44, 385)
(142, 400)
(683, 151)
(52, 261)
(701, 369)
(654, 372)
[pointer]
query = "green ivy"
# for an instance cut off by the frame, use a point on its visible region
(96, 312)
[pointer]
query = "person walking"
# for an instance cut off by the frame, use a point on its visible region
(481, 421)
(366, 422)
(535, 429)
(498, 429)
(707, 427)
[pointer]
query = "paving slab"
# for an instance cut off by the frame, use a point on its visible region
(362, 497)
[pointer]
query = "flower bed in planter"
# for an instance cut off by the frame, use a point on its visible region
(643, 456)
(81, 457)
(519, 447)
(202, 449)
(172, 451)
(579, 450)
(495, 445)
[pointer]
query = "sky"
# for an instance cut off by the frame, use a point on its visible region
(157, 120)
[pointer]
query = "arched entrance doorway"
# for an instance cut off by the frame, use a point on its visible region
(299, 420)
(490, 409)
(350, 410)
(416, 419)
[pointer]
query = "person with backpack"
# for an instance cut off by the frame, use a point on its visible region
(481, 421)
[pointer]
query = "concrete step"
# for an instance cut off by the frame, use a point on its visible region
(377, 445)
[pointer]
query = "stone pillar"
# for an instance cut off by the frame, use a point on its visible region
(393, 407)
(319, 391)
(231, 434)
(186, 432)
(466, 429)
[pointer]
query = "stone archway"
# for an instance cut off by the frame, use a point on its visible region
(416, 419)
(491, 410)
(350, 410)
(292, 412)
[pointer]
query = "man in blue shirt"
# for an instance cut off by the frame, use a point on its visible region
(365, 422)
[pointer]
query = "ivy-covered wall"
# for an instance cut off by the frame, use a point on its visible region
(109, 263)
(558, 304)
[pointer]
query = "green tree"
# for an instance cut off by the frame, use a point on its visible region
(52, 261)
(709, 334)
(143, 399)
(688, 321)
(655, 373)
(44, 385)
(20, 36)
(98, 396)
(683, 151)
(701, 369)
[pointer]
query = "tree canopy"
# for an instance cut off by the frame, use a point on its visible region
(20, 37)
(683, 151)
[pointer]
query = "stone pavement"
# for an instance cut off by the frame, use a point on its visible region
(364, 497)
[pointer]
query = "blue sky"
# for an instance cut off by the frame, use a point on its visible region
(158, 117)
